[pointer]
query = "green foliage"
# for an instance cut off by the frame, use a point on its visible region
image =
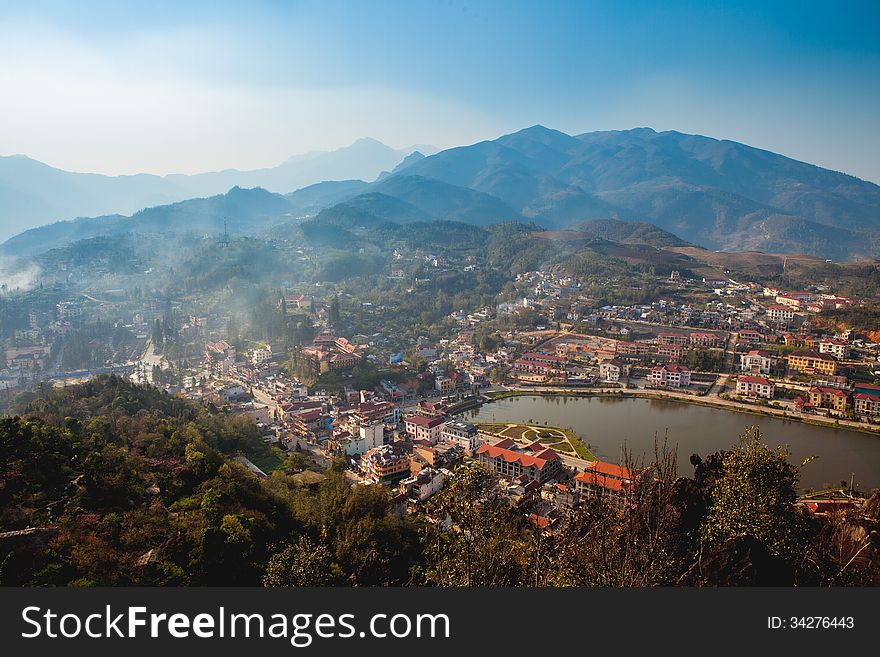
(755, 495)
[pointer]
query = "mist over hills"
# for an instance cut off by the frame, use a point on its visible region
(33, 193)
(713, 193)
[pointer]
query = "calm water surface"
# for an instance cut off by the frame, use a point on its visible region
(608, 424)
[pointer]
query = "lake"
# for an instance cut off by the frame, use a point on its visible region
(606, 424)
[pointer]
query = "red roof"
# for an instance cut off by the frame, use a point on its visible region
(426, 422)
(598, 479)
(610, 469)
(867, 397)
(526, 460)
(760, 380)
(828, 391)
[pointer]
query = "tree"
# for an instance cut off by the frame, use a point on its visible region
(755, 495)
(158, 336)
(333, 313)
(302, 563)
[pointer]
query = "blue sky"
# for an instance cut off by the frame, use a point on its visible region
(191, 86)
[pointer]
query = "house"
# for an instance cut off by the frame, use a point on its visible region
(755, 386)
(837, 348)
(812, 362)
(670, 376)
(759, 361)
(355, 438)
(420, 427)
(610, 371)
(504, 459)
(834, 399)
(423, 485)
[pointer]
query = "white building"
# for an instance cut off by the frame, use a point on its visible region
(670, 376)
(755, 386)
(837, 348)
(461, 433)
(610, 371)
(421, 486)
(420, 427)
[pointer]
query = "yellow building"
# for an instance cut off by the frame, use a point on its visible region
(832, 398)
(811, 362)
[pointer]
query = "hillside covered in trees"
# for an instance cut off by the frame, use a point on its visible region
(117, 484)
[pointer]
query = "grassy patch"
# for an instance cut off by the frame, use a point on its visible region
(266, 462)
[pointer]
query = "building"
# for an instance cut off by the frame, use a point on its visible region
(600, 478)
(355, 438)
(261, 355)
(837, 348)
(539, 367)
(812, 362)
(678, 339)
(420, 427)
(705, 340)
(833, 399)
(504, 459)
(444, 385)
(461, 433)
(866, 404)
(366, 412)
(329, 353)
(385, 464)
(423, 485)
(755, 386)
(750, 336)
(781, 314)
(610, 371)
(670, 376)
(759, 361)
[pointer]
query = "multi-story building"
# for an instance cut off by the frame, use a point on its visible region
(354, 438)
(444, 385)
(837, 348)
(780, 314)
(611, 370)
(423, 485)
(386, 463)
(834, 399)
(420, 427)
(866, 404)
(539, 367)
(670, 376)
(461, 433)
(600, 478)
(705, 340)
(679, 339)
(506, 460)
(755, 386)
(759, 361)
(812, 362)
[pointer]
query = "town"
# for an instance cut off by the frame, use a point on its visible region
(392, 403)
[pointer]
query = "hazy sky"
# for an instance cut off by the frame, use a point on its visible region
(181, 86)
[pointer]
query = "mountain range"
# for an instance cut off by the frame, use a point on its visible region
(33, 193)
(718, 194)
